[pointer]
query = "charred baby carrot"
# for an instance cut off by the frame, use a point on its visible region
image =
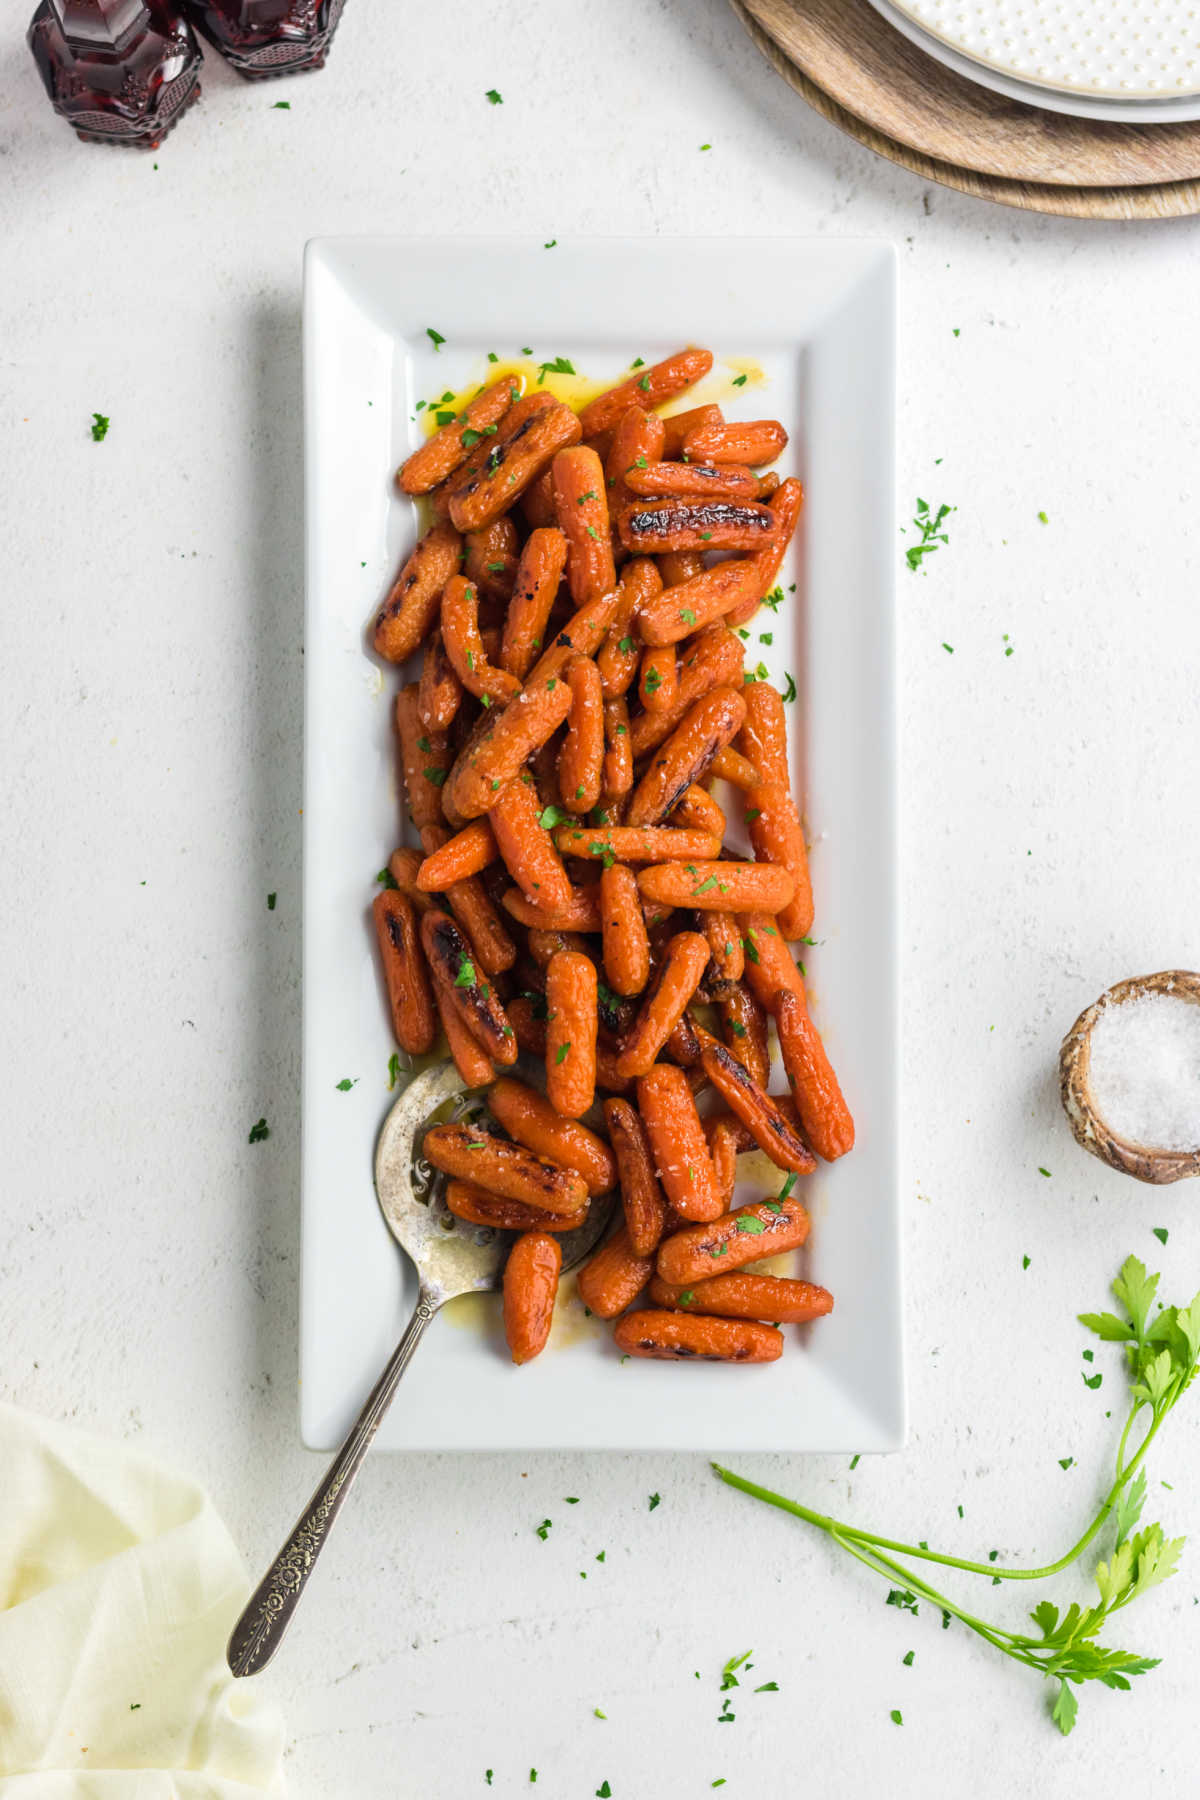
(468, 900)
(769, 962)
(747, 1296)
(746, 1235)
(448, 449)
(641, 1196)
(410, 611)
(777, 836)
(725, 945)
(529, 1118)
(718, 886)
(403, 867)
(752, 442)
(424, 760)
(571, 1025)
(676, 981)
(636, 445)
(670, 480)
(404, 972)
(472, 1063)
(527, 847)
(581, 761)
(478, 1207)
(713, 658)
(530, 1290)
(464, 646)
(649, 387)
(763, 737)
(649, 527)
(617, 657)
(744, 1025)
(704, 729)
(509, 1170)
(626, 945)
(677, 1142)
(439, 691)
(482, 769)
(636, 843)
(658, 678)
(786, 503)
(581, 513)
(771, 1131)
(677, 426)
(539, 571)
(530, 435)
(490, 559)
(450, 958)
(707, 597)
(824, 1114)
(616, 778)
(684, 1337)
(614, 1277)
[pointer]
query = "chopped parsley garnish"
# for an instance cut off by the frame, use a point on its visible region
(271, 899)
(655, 1500)
(497, 99)
(1043, 518)
(99, 428)
(626, 644)
(551, 816)
(468, 438)
(345, 1084)
(282, 106)
(1025, 1261)
(1160, 1232)
(739, 381)
(435, 337)
(559, 366)
(644, 384)
(550, 245)
(948, 647)
(564, 1051)
(908, 1660)
(437, 776)
(774, 599)
(1046, 1173)
(751, 1226)
(543, 1530)
(259, 1132)
(688, 616)
(466, 974)
(393, 1069)
(854, 1461)
(904, 1598)
(896, 1716)
(789, 691)
(929, 524)
(652, 681)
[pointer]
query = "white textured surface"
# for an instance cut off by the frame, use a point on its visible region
(149, 706)
(1101, 46)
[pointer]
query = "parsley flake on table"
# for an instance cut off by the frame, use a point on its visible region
(494, 96)
(543, 1530)
(99, 428)
(550, 245)
(655, 1500)
(896, 1716)
(726, 1716)
(949, 648)
(259, 1132)
(393, 1069)
(435, 337)
(854, 1461)
(604, 1791)
(271, 899)
(345, 1084)
(740, 380)
(904, 1598)
(282, 106)
(386, 879)
(597, 1714)
(1160, 1232)
(789, 691)
(1025, 1261)
(909, 1659)
(487, 1776)
(1044, 1172)
(930, 525)
(1043, 518)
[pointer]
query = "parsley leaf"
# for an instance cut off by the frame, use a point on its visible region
(435, 337)
(494, 96)
(259, 1132)
(99, 428)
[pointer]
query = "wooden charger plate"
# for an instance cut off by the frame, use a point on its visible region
(858, 72)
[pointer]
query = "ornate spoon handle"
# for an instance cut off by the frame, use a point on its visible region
(268, 1612)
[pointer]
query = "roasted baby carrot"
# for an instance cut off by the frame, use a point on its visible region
(746, 1296)
(677, 1142)
(744, 1024)
(687, 1337)
(677, 426)
(410, 610)
(786, 504)
(439, 691)
(529, 1023)
(649, 527)
(478, 1207)
(581, 513)
(581, 913)
(529, 1118)
(763, 737)
(771, 1131)
(530, 1290)
(469, 902)
(614, 1277)
(704, 729)
(777, 836)
(545, 944)
(475, 1067)
(675, 982)
(424, 760)
(636, 445)
(537, 502)
(824, 1114)
(692, 480)
(571, 1025)
(539, 572)
(482, 769)
(527, 847)
(626, 945)
(724, 944)
(636, 843)
(460, 857)
(658, 678)
(695, 810)
(649, 387)
(582, 635)
(616, 779)
(707, 597)
(752, 442)
(503, 1168)
(530, 435)
(491, 558)
(403, 867)
(450, 958)
(641, 1197)
(449, 448)
(617, 657)
(746, 1235)
(581, 761)
(404, 972)
(713, 658)
(769, 962)
(730, 766)
(678, 566)
(464, 646)
(718, 886)
(722, 1147)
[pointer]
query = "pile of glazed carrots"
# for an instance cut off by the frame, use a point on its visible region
(582, 687)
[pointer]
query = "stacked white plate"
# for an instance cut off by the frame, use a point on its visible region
(1136, 62)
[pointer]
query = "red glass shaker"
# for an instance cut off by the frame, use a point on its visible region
(268, 37)
(119, 71)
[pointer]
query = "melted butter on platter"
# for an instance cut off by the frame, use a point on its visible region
(578, 389)
(482, 1316)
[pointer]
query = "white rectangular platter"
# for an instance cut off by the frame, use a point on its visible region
(814, 322)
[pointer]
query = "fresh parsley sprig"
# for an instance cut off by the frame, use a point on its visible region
(1162, 1355)
(929, 524)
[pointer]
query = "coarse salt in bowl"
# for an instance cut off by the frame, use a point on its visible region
(1130, 1070)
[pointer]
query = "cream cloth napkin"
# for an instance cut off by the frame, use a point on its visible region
(118, 1588)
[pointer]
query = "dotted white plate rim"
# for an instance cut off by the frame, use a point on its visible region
(1119, 51)
(1130, 111)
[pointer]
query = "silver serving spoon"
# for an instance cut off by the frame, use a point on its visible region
(452, 1258)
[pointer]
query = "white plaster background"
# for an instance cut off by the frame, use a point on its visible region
(150, 674)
